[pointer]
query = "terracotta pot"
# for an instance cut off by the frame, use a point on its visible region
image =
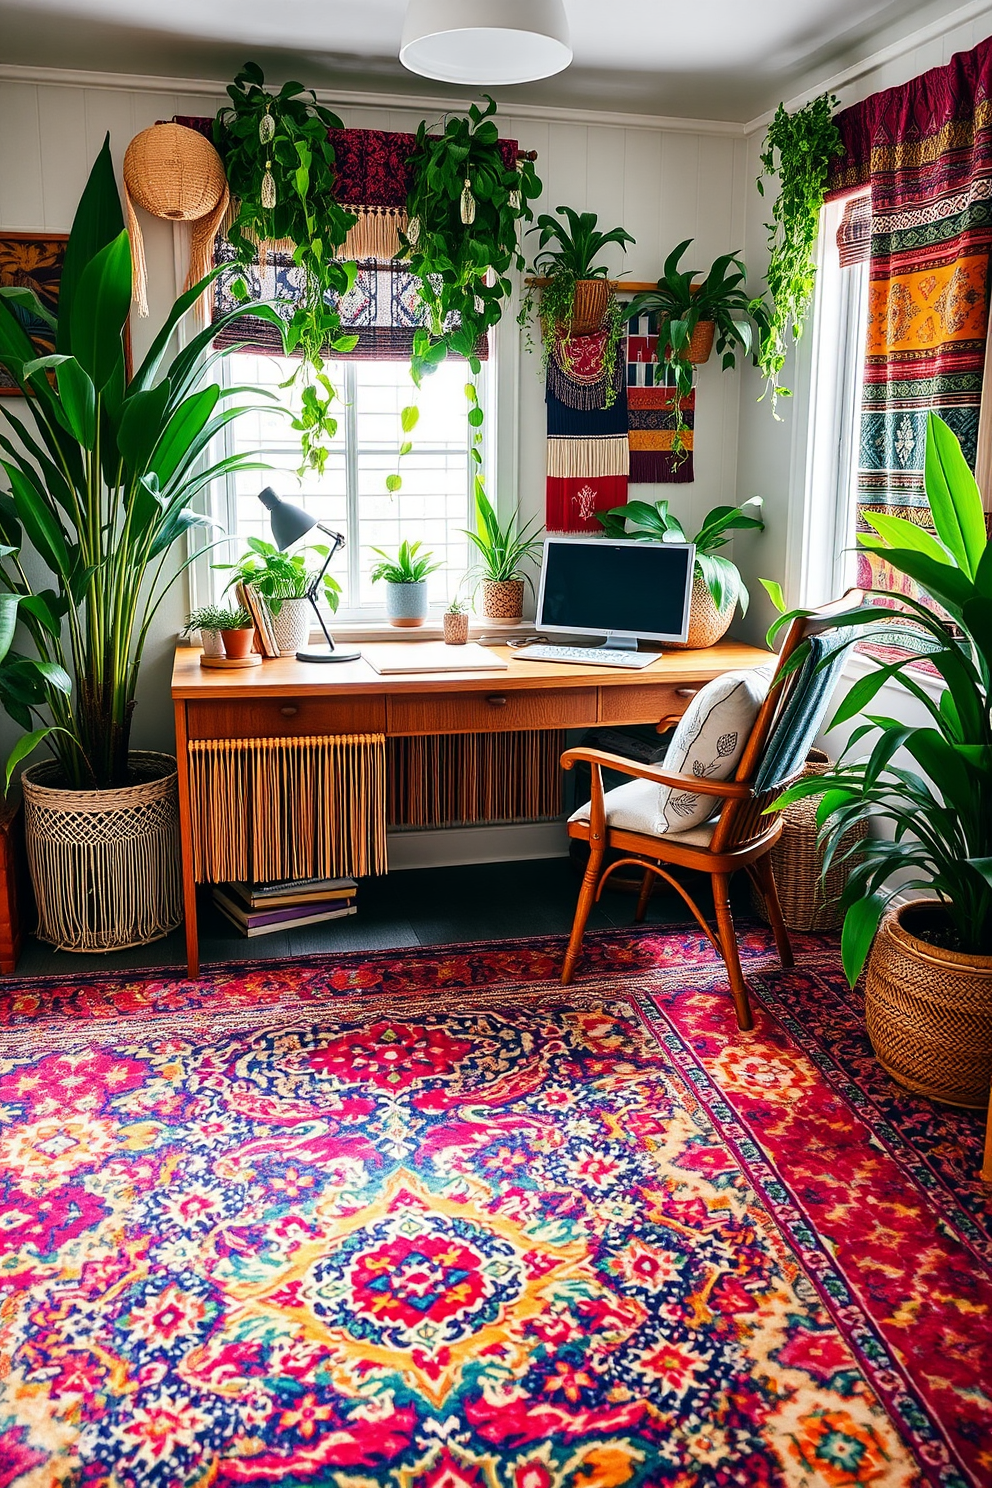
(455, 627)
(503, 602)
(238, 643)
(929, 1011)
(707, 624)
(589, 306)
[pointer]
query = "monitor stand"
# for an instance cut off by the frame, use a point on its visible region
(617, 643)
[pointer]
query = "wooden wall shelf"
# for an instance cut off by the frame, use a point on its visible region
(632, 286)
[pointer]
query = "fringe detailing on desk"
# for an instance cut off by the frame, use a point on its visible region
(457, 779)
(105, 863)
(265, 809)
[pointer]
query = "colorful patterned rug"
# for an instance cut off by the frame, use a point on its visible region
(430, 1220)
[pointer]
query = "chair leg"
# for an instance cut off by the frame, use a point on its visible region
(642, 899)
(765, 875)
(587, 894)
(728, 943)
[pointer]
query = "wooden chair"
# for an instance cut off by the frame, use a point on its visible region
(742, 836)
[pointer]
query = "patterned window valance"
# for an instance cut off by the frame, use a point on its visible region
(854, 233)
(384, 306)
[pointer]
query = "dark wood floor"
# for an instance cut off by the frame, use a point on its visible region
(487, 901)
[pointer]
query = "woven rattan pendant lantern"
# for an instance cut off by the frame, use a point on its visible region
(173, 172)
(485, 42)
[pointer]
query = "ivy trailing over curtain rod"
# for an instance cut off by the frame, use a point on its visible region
(798, 148)
(278, 152)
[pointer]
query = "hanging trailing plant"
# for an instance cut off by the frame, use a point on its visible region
(279, 159)
(463, 209)
(798, 148)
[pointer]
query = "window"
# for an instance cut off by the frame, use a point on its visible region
(840, 330)
(433, 505)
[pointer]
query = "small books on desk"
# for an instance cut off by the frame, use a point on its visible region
(260, 909)
(431, 656)
(251, 600)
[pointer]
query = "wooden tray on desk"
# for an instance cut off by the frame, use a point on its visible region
(222, 663)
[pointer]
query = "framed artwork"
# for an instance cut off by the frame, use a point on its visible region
(33, 260)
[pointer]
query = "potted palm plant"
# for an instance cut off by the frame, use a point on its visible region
(503, 550)
(928, 789)
(717, 586)
(692, 314)
(577, 294)
(103, 471)
(405, 577)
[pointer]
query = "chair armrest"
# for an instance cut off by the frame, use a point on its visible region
(725, 790)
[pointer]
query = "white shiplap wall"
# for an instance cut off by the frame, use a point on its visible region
(663, 183)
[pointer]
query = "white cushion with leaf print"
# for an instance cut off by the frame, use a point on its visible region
(708, 742)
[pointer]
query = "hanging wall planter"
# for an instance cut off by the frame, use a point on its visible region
(104, 864)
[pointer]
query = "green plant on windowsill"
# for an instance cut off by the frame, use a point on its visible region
(647, 522)
(278, 575)
(503, 548)
(577, 298)
(409, 566)
(215, 618)
(684, 307)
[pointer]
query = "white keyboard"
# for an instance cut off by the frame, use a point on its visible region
(588, 655)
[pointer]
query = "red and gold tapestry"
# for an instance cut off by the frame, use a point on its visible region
(651, 412)
(925, 152)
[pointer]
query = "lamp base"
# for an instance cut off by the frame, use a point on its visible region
(318, 653)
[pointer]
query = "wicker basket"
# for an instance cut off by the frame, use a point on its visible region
(707, 624)
(809, 902)
(701, 342)
(105, 864)
(929, 1011)
(503, 601)
(589, 306)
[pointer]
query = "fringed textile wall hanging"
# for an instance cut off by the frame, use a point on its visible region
(588, 454)
(651, 412)
(173, 172)
(265, 809)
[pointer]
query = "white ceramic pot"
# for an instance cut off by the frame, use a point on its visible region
(212, 642)
(292, 625)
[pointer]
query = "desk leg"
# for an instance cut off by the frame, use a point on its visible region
(186, 837)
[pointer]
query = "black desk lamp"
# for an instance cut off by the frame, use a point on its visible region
(289, 523)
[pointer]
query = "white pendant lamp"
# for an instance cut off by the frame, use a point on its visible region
(485, 42)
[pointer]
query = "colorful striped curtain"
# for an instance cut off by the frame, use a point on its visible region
(925, 153)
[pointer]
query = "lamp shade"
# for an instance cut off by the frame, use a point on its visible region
(485, 42)
(288, 522)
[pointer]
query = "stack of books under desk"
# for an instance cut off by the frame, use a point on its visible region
(261, 909)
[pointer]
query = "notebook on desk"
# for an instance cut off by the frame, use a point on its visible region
(431, 656)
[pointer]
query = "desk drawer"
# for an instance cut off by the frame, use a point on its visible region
(285, 717)
(494, 711)
(644, 704)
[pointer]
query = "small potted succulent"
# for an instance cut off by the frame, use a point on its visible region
(503, 549)
(456, 623)
(717, 586)
(237, 632)
(405, 577)
(209, 620)
(283, 580)
(692, 314)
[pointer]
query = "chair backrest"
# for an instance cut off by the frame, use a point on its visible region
(787, 722)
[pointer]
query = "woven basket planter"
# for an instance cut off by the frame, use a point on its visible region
(707, 624)
(589, 306)
(929, 1011)
(809, 902)
(105, 864)
(701, 342)
(455, 627)
(291, 626)
(503, 602)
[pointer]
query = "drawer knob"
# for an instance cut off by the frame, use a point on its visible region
(289, 711)
(496, 700)
(686, 691)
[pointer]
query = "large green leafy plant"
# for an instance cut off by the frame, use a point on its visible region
(277, 575)
(645, 522)
(682, 302)
(938, 806)
(798, 148)
(279, 159)
(463, 210)
(103, 473)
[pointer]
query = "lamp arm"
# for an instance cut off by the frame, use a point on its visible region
(337, 543)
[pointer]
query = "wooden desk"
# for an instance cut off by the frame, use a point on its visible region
(284, 698)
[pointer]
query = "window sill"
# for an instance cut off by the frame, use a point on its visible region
(479, 629)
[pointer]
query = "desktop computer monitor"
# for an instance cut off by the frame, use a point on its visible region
(624, 590)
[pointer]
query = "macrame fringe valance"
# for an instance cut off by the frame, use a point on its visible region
(266, 809)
